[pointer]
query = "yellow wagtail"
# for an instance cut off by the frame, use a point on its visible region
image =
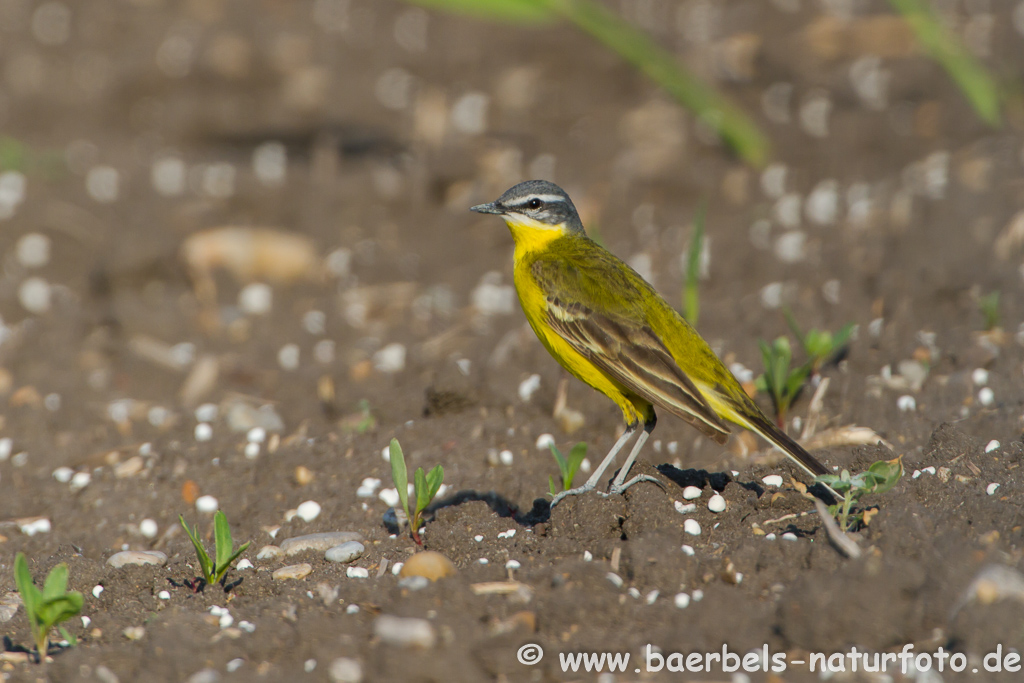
(609, 328)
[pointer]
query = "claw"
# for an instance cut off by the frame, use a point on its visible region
(618, 489)
(586, 488)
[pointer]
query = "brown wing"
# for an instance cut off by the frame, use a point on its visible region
(638, 360)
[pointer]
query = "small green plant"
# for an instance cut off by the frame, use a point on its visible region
(425, 487)
(781, 382)
(821, 346)
(214, 570)
(361, 421)
(989, 307)
(48, 607)
(878, 478)
(691, 296)
(567, 467)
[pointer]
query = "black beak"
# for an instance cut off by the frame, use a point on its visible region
(488, 208)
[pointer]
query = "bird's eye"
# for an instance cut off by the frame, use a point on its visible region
(533, 203)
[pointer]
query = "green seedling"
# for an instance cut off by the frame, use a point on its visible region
(779, 381)
(567, 467)
(48, 607)
(215, 569)
(989, 307)
(361, 421)
(821, 346)
(878, 478)
(425, 487)
(637, 48)
(691, 296)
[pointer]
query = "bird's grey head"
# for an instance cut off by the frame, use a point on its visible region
(539, 201)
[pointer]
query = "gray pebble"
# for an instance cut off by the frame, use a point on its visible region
(320, 542)
(346, 552)
(414, 583)
(405, 631)
(9, 606)
(138, 557)
(293, 571)
(204, 676)
(269, 552)
(346, 670)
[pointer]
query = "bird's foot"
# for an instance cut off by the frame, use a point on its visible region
(586, 488)
(618, 489)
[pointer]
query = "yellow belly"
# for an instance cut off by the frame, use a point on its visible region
(534, 303)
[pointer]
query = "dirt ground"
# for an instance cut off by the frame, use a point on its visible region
(368, 127)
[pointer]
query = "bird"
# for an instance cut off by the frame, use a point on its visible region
(611, 330)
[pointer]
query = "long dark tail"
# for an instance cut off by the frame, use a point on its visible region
(796, 452)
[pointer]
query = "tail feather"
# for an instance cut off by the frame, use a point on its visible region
(789, 446)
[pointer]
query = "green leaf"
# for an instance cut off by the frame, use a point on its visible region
(30, 595)
(563, 465)
(435, 478)
(888, 473)
(56, 582)
(223, 544)
(399, 475)
(551, 486)
(223, 569)
(970, 75)
(422, 490)
(513, 11)
(691, 295)
(60, 609)
(576, 455)
(70, 637)
(205, 565)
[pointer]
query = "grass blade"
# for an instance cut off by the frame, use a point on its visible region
(970, 75)
(691, 295)
(205, 565)
(661, 66)
(512, 11)
(400, 475)
(222, 541)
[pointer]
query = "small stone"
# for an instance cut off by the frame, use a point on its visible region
(35, 525)
(405, 631)
(684, 509)
(256, 435)
(991, 488)
(773, 480)
(234, 665)
(992, 446)
(203, 676)
(288, 357)
(688, 550)
(986, 396)
(103, 184)
(203, 432)
(513, 565)
(97, 590)
(390, 359)
(545, 442)
(207, 504)
(717, 503)
(682, 600)
(346, 670)
(389, 497)
(256, 298)
(346, 552)
(34, 295)
(137, 557)
(269, 552)
(357, 573)
(615, 579)
(33, 250)
(134, 633)
(308, 511)
(318, 542)
(528, 387)
(130, 467)
(251, 450)
(303, 477)
(63, 474)
(790, 536)
(588, 556)
(691, 493)
(478, 538)
(506, 457)
(293, 571)
(980, 377)
(164, 595)
(244, 563)
(692, 527)
(430, 564)
(906, 403)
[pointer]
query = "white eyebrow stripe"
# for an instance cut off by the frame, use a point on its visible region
(543, 197)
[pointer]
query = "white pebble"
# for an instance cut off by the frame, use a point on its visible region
(615, 579)
(390, 359)
(980, 377)
(203, 432)
(6, 446)
(681, 600)
(916, 474)
(507, 534)
(148, 528)
(102, 183)
(396, 568)
(288, 357)
(34, 295)
(789, 536)
(692, 527)
(314, 322)
(80, 480)
(256, 435)
(506, 458)
(385, 453)
(478, 538)
(991, 446)
(234, 665)
(491, 297)
(323, 351)
(207, 412)
(822, 204)
(357, 573)
(33, 250)
(771, 295)
(63, 474)
(528, 387)
(252, 450)
(991, 488)
(787, 210)
(256, 298)
(483, 560)
(513, 565)
(769, 537)
(270, 163)
(545, 442)
(308, 511)
(389, 496)
(244, 563)
(585, 464)
(12, 192)
(773, 180)
(168, 176)
(791, 247)
(207, 504)
(773, 480)
(469, 113)
(906, 403)
(588, 556)
(717, 503)
(986, 396)
(691, 493)
(634, 592)
(930, 470)
(40, 525)
(97, 590)
(164, 595)
(684, 508)
(19, 459)
(247, 626)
